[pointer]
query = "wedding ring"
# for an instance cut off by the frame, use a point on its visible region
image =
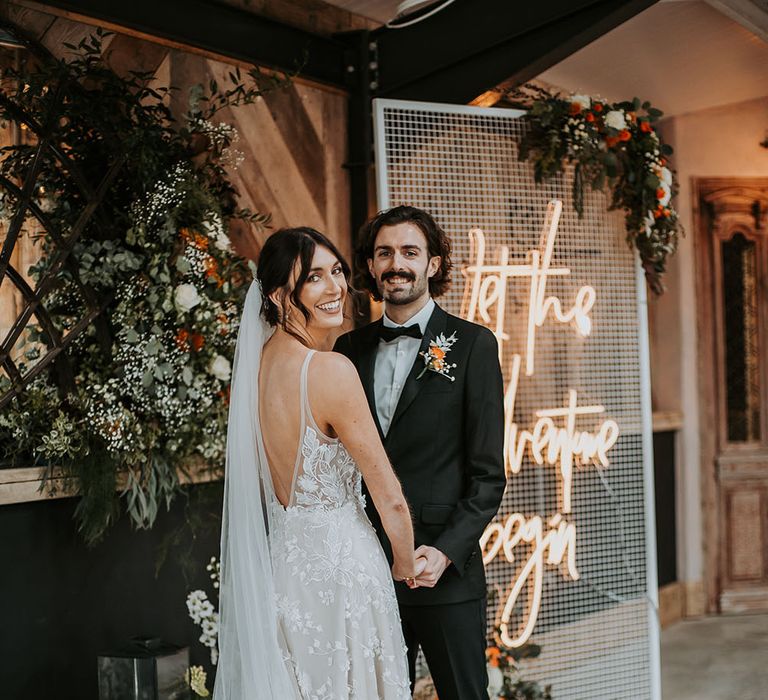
(409, 580)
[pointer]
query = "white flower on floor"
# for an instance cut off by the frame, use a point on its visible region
(186, 297)
(196, 679)
(495, 681)
(199, 606)
(203, 613)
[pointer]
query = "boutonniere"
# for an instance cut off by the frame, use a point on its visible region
(434, 357)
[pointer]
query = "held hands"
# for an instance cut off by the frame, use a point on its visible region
(413, 571)
(428, 566)
(436, 563)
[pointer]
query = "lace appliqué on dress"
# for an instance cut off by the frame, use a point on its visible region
(336, 601)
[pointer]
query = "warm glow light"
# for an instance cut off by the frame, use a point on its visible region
(551, 549)
(547, 443)
(486, 286)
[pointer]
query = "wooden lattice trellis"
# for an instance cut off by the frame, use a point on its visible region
(23, 194)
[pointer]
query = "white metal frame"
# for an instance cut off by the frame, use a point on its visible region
(384, 201)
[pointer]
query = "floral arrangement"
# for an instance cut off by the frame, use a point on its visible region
(203, 614)
(505, 680)
(434, 357)
(504, 675)
(148, 395)
(614, 144)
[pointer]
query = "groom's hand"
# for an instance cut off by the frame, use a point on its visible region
(436, 564)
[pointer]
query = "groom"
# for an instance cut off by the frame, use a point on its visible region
(434, 386)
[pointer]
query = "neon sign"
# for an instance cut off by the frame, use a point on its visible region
(550, 542)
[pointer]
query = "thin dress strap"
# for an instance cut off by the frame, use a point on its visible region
(305, 410)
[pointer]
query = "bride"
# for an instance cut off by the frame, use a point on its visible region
(308, 608)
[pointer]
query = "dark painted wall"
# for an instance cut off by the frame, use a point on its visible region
(666, 530)
(62, 603)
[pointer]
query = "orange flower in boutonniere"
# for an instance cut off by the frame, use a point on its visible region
(434, 357)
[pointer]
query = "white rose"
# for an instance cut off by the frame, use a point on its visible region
(220, 368)
(665, 175)
(186, 297)
(648, 222)
(615, 120)
(584, 101)
(667, 194)
(212, 226)
(222, 242)
(495, 681)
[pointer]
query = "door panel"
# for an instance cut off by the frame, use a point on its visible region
(732, 228)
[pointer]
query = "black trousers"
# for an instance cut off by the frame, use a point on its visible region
(453, 640)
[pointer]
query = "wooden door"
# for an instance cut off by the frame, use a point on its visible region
(734, 316)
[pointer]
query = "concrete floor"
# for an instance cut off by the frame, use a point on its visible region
(716, 658)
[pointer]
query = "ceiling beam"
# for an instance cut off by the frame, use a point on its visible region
(222, 30)
(474, 45)
(748, 13)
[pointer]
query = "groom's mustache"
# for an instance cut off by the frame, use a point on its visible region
(398, 273)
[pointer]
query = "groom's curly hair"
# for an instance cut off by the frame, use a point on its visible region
(438, 244)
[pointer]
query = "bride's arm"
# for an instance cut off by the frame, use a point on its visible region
(338, 399)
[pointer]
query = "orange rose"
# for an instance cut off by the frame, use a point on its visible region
(197, 342)
(597, 106)
(646, 127)
(574, 108)
(493, 654)
(182, 337)
(625, 135)
(611, 141)
(660, 193)
(439, 353)
(590, 117)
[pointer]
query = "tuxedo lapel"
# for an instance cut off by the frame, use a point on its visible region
(366, 366)
(435, 326)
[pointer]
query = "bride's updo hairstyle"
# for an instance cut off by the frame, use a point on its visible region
(285, 251)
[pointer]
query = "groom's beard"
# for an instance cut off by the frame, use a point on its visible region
(406, 293)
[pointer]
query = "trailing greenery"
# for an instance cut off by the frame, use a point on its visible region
(150, 385)
(613, 144)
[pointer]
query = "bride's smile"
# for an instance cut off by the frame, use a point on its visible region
(323, 294)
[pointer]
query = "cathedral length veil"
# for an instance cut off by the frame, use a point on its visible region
(251, 665)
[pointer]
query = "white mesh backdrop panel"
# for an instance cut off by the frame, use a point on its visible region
(596, 622)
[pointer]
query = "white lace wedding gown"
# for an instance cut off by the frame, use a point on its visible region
(336, 604)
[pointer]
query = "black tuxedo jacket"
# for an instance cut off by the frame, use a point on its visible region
(445, 443)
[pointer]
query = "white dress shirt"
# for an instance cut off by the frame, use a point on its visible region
(394, 361)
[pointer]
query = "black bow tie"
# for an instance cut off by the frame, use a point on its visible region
(388, 334)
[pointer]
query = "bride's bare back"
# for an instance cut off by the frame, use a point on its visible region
(280, 411)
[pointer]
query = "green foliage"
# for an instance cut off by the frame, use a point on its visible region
(151, 374)
(614, 145)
